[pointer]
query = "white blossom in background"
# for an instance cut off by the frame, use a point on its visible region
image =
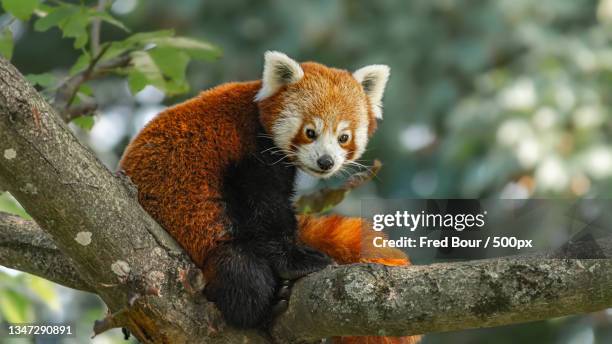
(149, 95)
(110, 127)
(143, 115)
(586, 59)
(514, 190)
(565, 97)
(545, 118)
(528, 152)
(424, 183)
(513, 131)
(604, 11)
(598, 162)
(551, 175)
(123, 7)
(521, 95)
(588, 116)
(416, 137)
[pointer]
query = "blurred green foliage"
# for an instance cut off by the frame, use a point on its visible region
(157, 58)
(20, 295)
(487, 98)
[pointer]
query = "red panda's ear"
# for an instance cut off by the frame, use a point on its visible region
(373, 79)
(279, 70)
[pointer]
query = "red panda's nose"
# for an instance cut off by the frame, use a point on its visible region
(325, 162)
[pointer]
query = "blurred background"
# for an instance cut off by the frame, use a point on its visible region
(497, 99)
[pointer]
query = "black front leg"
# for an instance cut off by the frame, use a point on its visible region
(257, 192)
(243, 278)
(258, 199)
(241, 284)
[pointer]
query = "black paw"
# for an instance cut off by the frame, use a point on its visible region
(284, 290)
(280, 303)
(279, 308)
(301, 261)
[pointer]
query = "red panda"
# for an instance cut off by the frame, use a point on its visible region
(218, 172)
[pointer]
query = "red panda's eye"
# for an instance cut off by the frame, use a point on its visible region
(311, 134)
(343, 138)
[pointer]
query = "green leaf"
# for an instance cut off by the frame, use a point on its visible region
(44, 290)
(72, 20)
(86, 90)
(84, 122)
(6, 43)
(9, 205)
(144, 70)
(81, 63)
(55, 17)
(136, 81)
(15, 308)
(172, 62)
(320, 201)
(81, 41)
(76, 27)
(44, 80)
(195, 48)
(134, 42)
(105, 16)
(115, 49)
(143, 38)
(174, 87)
(22, 9)
(165, 39)
(163, 68)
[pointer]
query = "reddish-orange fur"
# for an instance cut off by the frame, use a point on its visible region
(178, 170)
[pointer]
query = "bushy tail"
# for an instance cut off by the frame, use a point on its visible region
(346, 240)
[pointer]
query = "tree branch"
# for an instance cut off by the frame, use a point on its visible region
(68, 90)
(95, 29)
(373, 299)
(25, 247)
(82, 109)
(71, 195)
(143, 276)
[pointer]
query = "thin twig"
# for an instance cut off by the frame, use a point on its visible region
(75, 111)
(67, 91)
(95, 29)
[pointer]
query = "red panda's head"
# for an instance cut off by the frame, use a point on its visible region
(320, 117)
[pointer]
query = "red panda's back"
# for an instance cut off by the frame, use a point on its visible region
(177, 162)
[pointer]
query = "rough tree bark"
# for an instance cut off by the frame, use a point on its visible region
(90, 225)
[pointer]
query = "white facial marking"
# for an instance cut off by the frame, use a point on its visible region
(361, 137)
(342, 127)
(286, 127)
(319, 124)
(325, 143)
